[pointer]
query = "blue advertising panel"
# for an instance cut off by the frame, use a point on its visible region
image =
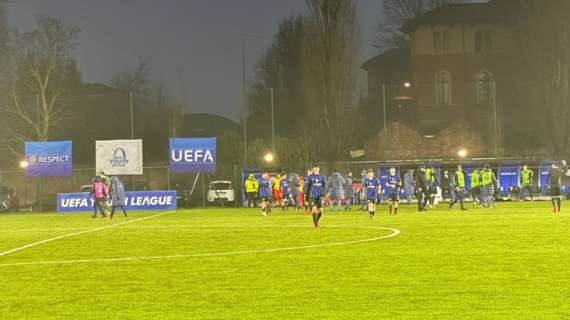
(508, 178)
(193, 155)
(545, 167)
(48, 159)
(136, 201)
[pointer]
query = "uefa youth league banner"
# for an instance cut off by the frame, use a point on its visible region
(136, 201)
(193, 155)
(48, 159)
(119, 157)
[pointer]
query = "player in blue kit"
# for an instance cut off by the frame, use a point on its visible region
(316, 189)
(265, 194)
(393, 186)
(287, 195)
(372, 187)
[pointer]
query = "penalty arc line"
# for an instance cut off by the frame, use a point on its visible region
(395, 232)
(68, 235)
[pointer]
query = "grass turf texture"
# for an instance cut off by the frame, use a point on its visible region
(511, 262)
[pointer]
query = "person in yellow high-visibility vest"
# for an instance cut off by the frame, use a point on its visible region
(488, 182)
(458, 188)
(251, 189)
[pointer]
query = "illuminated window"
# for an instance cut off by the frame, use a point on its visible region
(443, 87)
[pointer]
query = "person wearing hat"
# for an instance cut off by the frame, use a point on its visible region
(316, 188)
(251, 189)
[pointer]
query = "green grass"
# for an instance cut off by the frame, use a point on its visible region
(511, 262)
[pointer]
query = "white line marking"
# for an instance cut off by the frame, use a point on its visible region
(35, 244)
(394, 232)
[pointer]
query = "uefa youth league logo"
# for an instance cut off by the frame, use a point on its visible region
(119, 159)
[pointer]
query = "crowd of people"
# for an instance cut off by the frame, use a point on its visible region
(341, 191)
(109, 195)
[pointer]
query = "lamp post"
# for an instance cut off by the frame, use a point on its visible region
(244, 37)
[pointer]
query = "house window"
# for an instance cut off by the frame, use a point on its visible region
(488, 40)
(437, 42)
(484, 41)
(483, 87)
(441, 42)
(445, 41)
(443, 87)
(478, 41)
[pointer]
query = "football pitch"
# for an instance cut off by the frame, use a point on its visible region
(511, 262)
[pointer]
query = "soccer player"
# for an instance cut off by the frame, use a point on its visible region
(117, 197)
(527, 179)
(300, 192)
(277, 197)
(265, 194)
(488, 182)
(476, 187)
(423, 190)
(100, 192)
(459, 188)
(316, 189)
(432, 185)
(554, 183)
(373, 188)
(393, 186)
(286, 193)
(307, 201)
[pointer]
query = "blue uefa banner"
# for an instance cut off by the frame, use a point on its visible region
(136, 201)
(48, 159)
(193, 155)
(508, 179)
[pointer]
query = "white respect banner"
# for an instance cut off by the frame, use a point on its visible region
(119, 157)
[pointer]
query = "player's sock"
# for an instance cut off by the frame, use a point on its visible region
(396, 211)
(559, 202)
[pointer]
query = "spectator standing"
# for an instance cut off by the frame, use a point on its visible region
(118, 198)
(348, 193)
(335, 190)
(409, 185)
(251, 189)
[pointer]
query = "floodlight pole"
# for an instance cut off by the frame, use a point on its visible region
(495, 120)
(243, 97)
(272, 102)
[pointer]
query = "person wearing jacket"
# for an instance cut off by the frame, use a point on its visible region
(251, 190)
(118, 198)
(335, 190)
(348, 192)
(409, 185)
(423, 190)
(99, 191)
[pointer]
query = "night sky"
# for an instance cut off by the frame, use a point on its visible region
(193, 46)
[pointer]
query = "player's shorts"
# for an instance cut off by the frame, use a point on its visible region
(394, 197)
(317, 201)
(555, 191)
(277, 195)
(264, 195)
(372, 198)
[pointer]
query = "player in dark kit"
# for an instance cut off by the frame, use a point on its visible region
(316, 190)
(265, 194)
(393, 186)
(555, 185)
(423, 190)
(372, 188)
